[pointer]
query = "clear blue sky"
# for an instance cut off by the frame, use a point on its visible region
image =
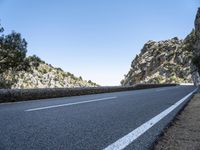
(95, 39)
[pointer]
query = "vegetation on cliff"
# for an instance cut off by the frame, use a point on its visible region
(19, 71)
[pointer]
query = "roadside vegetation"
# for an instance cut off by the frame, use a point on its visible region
(13, 49)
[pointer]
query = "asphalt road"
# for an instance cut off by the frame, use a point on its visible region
(91, 122)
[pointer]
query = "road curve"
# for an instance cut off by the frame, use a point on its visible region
(119, 120)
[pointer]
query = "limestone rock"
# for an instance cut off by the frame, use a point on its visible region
(166, 61)
(47, 76)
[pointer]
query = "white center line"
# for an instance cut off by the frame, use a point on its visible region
(165, 89)
(70, 104)
(133, 135)
(161, 90)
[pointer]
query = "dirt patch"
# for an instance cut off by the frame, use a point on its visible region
(184, 132)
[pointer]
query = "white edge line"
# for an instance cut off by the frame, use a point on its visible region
(70, 104)
(130, 137)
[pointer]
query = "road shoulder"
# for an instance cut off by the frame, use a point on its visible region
(184, 131)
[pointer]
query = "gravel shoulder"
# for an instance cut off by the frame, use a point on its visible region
(184, 132)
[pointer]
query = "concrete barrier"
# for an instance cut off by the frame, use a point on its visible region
(14, 95)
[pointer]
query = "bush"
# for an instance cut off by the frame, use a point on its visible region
(13, 50)
(35, 60)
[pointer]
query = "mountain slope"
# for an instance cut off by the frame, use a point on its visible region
(43, 75)
(166, 61)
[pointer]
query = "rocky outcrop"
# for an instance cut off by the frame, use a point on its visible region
(197, 32)
(196, 53)
(44, 75)
(166, 61)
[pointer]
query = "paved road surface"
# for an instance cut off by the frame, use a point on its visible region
(91, 122)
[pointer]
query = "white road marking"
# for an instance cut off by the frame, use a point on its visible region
(70, 104)
(133, 135)
(166, 88)
(186, 83)
(161, 90)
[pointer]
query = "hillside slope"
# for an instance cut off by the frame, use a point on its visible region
(166, 61)
(43, 75)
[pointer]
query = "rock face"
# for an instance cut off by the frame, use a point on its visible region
(166, 61)
(47, 76)
(196, 53)
(197, 32)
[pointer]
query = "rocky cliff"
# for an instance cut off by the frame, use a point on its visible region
(197, 32)
(166, 61)
(43, 75)
(196, 53)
